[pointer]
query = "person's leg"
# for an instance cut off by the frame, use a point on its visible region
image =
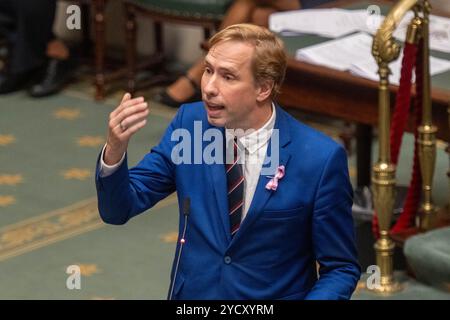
(58, 50)
(27, 26)
(34, 31)
(182, 89)
(60, 66)
(59, 70)
(7, 18)
(7, 23)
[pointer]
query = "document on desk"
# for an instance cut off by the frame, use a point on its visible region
(338, 54)
(369, 69)
(330, 23)
(354, 54)
(335, 23)
(439, 31)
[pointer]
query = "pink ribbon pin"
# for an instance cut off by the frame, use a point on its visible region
(273, 183)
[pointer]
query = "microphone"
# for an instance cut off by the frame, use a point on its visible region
(186, 209)
(186, 206)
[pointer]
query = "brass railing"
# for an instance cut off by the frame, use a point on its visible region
(385, 50)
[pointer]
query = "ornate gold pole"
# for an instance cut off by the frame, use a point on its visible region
(383, 179)
(386, 50)
(427, 133)
(383, 187)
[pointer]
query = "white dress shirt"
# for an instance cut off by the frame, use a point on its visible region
(255, 145)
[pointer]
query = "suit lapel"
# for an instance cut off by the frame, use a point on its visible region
(219, 185)
(262, 195)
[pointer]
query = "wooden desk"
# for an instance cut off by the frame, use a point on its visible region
(339, 94)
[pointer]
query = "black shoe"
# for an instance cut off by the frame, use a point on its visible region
(57, 73)
(164, 98)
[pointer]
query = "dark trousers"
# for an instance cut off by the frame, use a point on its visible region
(27, 25)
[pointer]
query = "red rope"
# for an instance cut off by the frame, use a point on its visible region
(401, 112)
(403, 102)
(406, 219)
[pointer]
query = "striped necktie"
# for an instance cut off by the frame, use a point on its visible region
(235, 184)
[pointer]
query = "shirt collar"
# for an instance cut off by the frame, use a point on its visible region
(254, 140)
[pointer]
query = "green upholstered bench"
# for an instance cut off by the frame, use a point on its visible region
(428, 255)
(195, 9)
(203, 13)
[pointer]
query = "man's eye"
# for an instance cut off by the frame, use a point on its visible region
(207, 70)
(228, 77)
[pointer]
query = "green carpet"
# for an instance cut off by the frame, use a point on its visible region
(48, 213)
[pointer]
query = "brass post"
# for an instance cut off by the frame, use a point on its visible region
(383, 188)
(427, 133)
(386, 50)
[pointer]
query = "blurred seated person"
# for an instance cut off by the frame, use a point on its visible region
(186, 88)
(36, 60)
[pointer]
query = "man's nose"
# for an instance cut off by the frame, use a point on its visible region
(210, 86)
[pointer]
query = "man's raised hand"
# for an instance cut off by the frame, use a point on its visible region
(124, 121)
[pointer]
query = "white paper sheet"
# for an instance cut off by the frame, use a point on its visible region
(330, 23)
(334, 23)
(353, 53)
(340, 53)
(368, 69)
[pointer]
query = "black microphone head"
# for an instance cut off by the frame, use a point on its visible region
(186, 206)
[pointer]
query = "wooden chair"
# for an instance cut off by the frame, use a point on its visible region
(203, 13)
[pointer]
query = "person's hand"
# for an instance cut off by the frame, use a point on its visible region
(124, 121)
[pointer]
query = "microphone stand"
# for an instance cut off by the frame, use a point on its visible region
(186, 209)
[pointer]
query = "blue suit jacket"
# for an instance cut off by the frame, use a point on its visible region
(273, 255)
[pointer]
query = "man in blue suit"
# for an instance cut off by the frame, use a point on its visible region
(265, 201)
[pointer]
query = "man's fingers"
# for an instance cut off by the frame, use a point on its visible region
(125, 97)
(126, 103)
(134, 118)
(132, 102)
(127, 112)
(134, 128)
(124, 113)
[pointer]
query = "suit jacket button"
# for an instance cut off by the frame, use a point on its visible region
(227, 259)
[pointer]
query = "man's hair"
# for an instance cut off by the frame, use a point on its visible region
(269, 59)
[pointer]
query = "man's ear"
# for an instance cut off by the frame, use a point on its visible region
(265, 89)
